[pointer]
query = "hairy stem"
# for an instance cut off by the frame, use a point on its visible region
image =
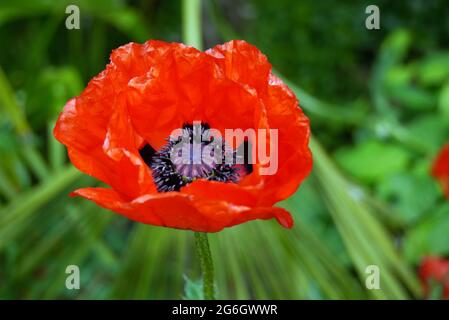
(207, 267)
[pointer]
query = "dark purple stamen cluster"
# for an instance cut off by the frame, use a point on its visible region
(177, 164)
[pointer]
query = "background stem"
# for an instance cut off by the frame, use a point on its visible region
(191, 23)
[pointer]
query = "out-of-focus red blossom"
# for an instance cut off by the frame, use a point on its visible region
(437, 269)
(441, 168)
(146, 91)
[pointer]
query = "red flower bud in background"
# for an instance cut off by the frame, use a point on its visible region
(435, 271)
(441, 169)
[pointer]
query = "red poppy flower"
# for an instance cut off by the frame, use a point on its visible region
(436, 269)
(441, 168)
(119, 130)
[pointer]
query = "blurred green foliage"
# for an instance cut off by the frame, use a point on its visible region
(379, 107)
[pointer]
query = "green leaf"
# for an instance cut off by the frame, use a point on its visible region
(434, 69)
(429, 236)
(436, 290)
(397, 44)
(193, 289)
(52, 88)
(430, 130)
(412, 97)
(410, 194)
(398, 76)
(372, 161)
(443, 102)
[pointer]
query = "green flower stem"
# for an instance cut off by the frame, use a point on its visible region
(207, 267)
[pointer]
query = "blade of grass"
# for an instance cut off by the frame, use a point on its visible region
(56, 151)
(356, 219)
(13, 216)
(11, 109)
(7, 189)
(136, 279)
(75, 253)
(35, 161)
